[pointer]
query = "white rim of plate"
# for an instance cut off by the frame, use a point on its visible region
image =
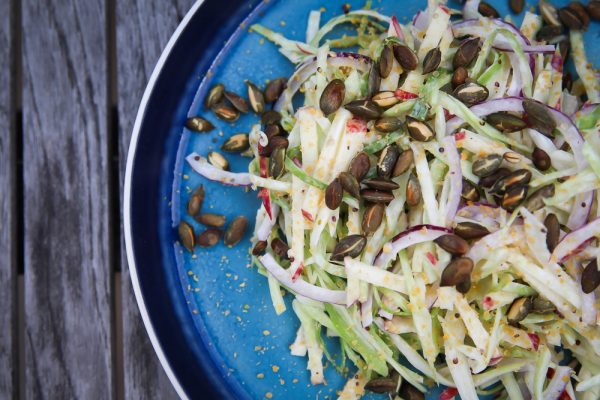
(127, 199)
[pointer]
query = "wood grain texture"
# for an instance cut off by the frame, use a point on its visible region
(68, 335)
(8, 213)
(143, 29)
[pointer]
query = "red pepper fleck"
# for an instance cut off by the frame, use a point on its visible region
(564, 396)
(448, 115)
(308, 215)
(557, 63)
(298, 272)
(459, 136)
(404, 95)
(487, 302)
(448, 394)
(356, 125)
(431, 258)
(444, 9)
(535, 340)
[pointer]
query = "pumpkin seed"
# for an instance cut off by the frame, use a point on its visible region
(385, 99)
(590, 278)
(366, 109)
(381, 385)
(419, 130)
(518, 177)
(334, 194)
(350, 246)
(536, 200)
(372, 218)
(270, 117)
(487, 165)
(453, 244)
(388, 124)
(387, 161)
(404, 162)
(332, 96)
(466, 53)
(274, 89)
(409, 392)
(277, 162)
(199, 124)
(186, 236)
(376, 196)
(273, 130)
(381, 184)
(457, 271)
(237, 101)
(432, 60)
(541, 159)
(593, 9)
(256, 98)
(386, 62)
(489, 181)
(280, 248)
(471, 93)
(374, 81)
(464, 286)
(519, 309)
(506, 123)
(548, 12)
(470, 230)
(570, 18)
(549, 32)
(459, 76)
(552, 231)
(516, 5)
(195, 202)
(209, 237)
(259, 248)
(359, 166)
(350, 184)
(514, 196)
(214, 220)
(235, 231)
(469, 191)
(487, 10)
(413, 191)
(511, 157)
(217, 160)
(214, 96)
(236, 143)
(274, 142)
(581, 12)
(542, 305)
(405, 56)
(226, 113)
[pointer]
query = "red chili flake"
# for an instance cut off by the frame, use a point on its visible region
(263, 166)
(263, 193)
(447, 115)
(356, 125)
(564, 396)
(404, 95)
(487, 302)
(298, 272)
(448, 394)
(431, 258)
(459, 136)
(308, 215)
(444, 9)
(557, 62)
(550, 373)
(535, 340)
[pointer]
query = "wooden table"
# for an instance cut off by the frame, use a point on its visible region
(71, 78)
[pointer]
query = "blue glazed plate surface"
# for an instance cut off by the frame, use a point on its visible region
(210, 311)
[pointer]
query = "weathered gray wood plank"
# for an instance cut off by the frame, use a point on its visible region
(8, 213)
(143, 29)
(68, 334)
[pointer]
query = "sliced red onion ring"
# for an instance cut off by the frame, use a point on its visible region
(306, 70)
(455, 178)
(300, 286)
(581, 210)
(201, 166)
(575, 240)
(416, 234)
(266, 226)
(557, 384)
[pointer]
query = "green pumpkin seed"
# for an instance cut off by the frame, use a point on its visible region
(487, 10)
(186, 236)
(413, 191)
(277, 162)
(552, 231)
(386, 61)
(209, 237)
(374, 81)
(489, 181)
(334, 194)
(366, 109)
(470, 230)
(487, 165)
(453, 244)
(385, 99)
(235, 231)
(274, 89)
(514, 196)
(256, 98)
(539, 116)
(464, 286)
(542, 305)
(280, 248)
(471, 93)
(466, 53)
(405, 160)
(570, 18)
(214, 96)
(387, 161)
(195, 202)
(350, 246)
(419, 130)
(259, 248)
(388, 124)
(360, 165)
(457, 271)
(518, 177)
(214, 220)
(541, 159)
(237, 101)
(381, 184)
(217, 160)
(199, 124)
(226, 113)
(350, 184)
(376, 196)
(519, 309)
(505, 122)
(270, 117)
(372, 218)
(381, 385)
(332, 96)
(405, 56)
(236, 143)
(432, 60)
(590, 278)
(581, 12)
(469, 191)
(536, 200)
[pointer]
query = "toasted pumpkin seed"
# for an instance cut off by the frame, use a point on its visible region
(235, 231)
(419, 130)
(372, 218)
(539, 117)
(542, 305)
(381, 184)
(199, 124)
(593, 9)
(489, 181)
(570, 18)
(549, 32)
(332, 96)
(453, 244)
(457, 271)
(469, 191)
(225, 112)
(548, 12)
(514, 196)
(186, 236)
(218, 160)
(388, 124)
(487, 10)
(385, 99)
(237, 101)
(209, 237)
(214, 96)
(536, 200)
(552, 231)
(350, 184)
(236, 143)
(466, 53)
(471, 93)
(270, 117)
(387, 161)
(432, 60)
(413, 191)
(505, 122)
(381, 385)
(376, 196)
(409, 392)
(350, 246)
(464, 286)
(518, 177)
(334, 194)
(280, 248)
(277, 162)
(209, 219)
(512, 157)
(359, 166)
(459, 76)
(470, 230)
(487, 165)
(195, 202)
(256, 98)
(273, 130)
(274, 89)
(366, 109)
(405, 56)
(519, 309)
(516, 5)
(374, 81)
(581, 13)
(386, 61)
(541, 159)
(259, 248)
(590, 278)
(404, 162)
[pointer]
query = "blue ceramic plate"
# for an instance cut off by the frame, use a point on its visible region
(209, 314)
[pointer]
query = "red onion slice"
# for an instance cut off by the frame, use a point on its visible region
(266, 226)
(572, 242)
(455, 178)
(201, 166)
(300, 286)
(581, 210)
(410, 237)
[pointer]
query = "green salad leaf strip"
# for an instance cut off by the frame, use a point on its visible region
(380, 144)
